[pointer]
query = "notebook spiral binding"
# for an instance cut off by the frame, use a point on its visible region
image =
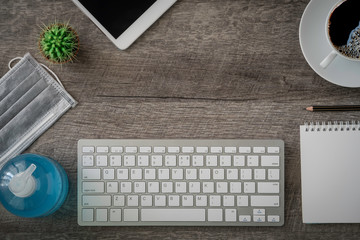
(332, 126)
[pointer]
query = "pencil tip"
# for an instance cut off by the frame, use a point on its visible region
(309, 109)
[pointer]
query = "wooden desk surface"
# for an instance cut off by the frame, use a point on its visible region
(207, 69)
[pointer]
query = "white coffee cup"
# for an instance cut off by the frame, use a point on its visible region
(335, 52)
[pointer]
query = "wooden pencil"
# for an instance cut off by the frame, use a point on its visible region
(334, 108)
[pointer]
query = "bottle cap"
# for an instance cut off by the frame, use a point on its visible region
(23, 184)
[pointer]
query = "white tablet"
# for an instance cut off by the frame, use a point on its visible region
(123, 21)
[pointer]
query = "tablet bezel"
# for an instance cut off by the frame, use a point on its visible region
(137, 28)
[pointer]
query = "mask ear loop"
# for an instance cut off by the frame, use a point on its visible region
(48, 69)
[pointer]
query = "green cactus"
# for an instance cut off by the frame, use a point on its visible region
(59, 43)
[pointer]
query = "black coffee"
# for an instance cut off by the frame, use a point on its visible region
(344, 28)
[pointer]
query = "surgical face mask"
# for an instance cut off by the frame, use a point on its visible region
(31, 100)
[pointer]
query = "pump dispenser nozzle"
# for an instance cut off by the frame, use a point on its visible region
(23, 184)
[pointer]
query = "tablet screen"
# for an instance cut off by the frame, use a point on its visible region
(116, 15)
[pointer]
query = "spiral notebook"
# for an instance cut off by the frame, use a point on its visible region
(330, 172)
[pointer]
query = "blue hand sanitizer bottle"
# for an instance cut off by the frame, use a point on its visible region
(32, 186)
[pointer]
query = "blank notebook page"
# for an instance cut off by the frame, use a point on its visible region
(330, 174)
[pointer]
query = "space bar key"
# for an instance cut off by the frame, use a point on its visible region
(168, 214)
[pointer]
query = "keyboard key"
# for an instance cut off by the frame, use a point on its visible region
(216, 149)
(187, 149)
(143, 160)
(253, 161)
(187, 200)
(218, 174)
(150, 173)
(273, 218)
(265, 201)
(167, 187)
(136, 174)
(204, 174)
(101, 160)
(273, 174)
(230, 215)
(190, 174)
(194, 187)
(270, 161)
(88, 215)
(115, 215)
(215, 215)
(145, 150)
(273, 150)
(174, 200)
(88, 149)
(117, 149)
(239, 161)
(244, 218)
(119, 200)
(242, 201)
(230, 150)
(180, 187)
(259, 149)
(208, 187)
(160, 200)
(202, 149)
(88, 161)
(91, 174)
(221, 187)
(215, 200)
(245, 174)
(109, 174)
(184, 160)
(268, 187)
(122, 174)
(258, 211)
(211, 161)
(101, 215)
(139, 187)
(156, 160)
(198, 161)
(153, 187)
(259, 218)
(229, 201)
(249, 187)
(177, 173)
(171, 215)
(115, 160)
(159, 149)
(131, 215)
(164, 174)
(102, 149)
(93, 187)
(201, 200)
(131, 149)
(129, 160)
(96, 201)
(259, 174)
(232, 174)
(170, 161)
(132, 200)
(244, 149)
(225, 161)
(173, 149)
(125, 187)
(146, 200)
(235, 187)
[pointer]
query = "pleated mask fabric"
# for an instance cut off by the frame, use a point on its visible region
(31, 100)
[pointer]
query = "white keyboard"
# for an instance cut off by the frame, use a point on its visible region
(180, 182)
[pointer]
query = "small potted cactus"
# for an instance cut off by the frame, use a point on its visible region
(59, 43)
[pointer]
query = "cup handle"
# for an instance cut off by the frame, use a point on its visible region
(328, 59)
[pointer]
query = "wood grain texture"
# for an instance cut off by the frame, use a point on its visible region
(206, 69)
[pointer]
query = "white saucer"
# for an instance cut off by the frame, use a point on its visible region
(315, 46)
